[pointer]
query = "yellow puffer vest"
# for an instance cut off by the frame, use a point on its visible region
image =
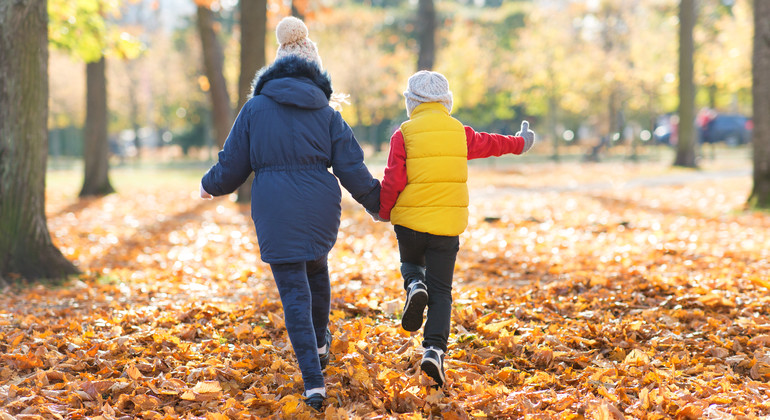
(435, 199)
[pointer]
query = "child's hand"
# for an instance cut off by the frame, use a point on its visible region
(205, 195)
(529, 136)
(376, 217)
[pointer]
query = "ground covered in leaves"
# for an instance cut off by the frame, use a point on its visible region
(581, 291)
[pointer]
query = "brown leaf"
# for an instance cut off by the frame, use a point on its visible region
(145, 402)
(242, 329)
(133, 372)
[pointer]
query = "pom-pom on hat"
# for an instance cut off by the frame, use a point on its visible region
(292, 35)
(427, 86)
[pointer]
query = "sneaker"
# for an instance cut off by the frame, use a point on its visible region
(416, 299)
(433, 364)
(326, 356)
(316, 401)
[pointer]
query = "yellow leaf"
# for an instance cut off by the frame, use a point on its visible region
(637, 357)
(759, 281)
(434, 396)
(290, 404)
(207, 386)
(494, 328)
(644, 398)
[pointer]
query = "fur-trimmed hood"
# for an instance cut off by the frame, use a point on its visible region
(294, 81)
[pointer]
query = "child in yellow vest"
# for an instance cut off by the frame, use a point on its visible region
(425, 195)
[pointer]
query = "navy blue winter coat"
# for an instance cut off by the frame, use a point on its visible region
(288, 136)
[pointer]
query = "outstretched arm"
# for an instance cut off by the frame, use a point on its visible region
(482, 145)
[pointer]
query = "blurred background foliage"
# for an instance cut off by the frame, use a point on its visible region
(593, 68)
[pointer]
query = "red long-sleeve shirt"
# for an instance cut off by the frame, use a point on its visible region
(480, 145)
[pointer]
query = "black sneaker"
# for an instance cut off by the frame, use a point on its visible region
(433, 364)
(316, 401)
(327, 355)
(416, 299)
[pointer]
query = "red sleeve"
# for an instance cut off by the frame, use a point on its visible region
(394, 177)
(482, 145)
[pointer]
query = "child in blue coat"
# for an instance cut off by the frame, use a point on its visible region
(289, 137)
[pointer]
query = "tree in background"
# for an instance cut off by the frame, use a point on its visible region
(685, 150)
(80, 28)
(213, 64)
(371, 69)
(719, 72)
(253, 24)
(549, 74)
(590, 71)
(612, 36)
(488, 83)
(96, 146)
(652, 59)
(426, 34)
(487, 90)
(26, 248)
(760, 193)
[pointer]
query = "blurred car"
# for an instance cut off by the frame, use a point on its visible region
(732, 129)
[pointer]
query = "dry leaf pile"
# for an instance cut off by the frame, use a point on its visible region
(623, 300)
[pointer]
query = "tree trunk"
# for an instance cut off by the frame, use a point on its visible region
(26, 248)
(426, 34)
(296, 12)
(713, 90)
(685, 151)
(760, 193)
(213, 62)
(134, 104)
(96, 147)
(552, 122)
(253, 30)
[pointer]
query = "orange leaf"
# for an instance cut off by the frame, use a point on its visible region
(242, 329)
(133, 372)
(145, 402)
(17, 340)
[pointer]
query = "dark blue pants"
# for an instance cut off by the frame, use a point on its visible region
(430, 258)
(306, 295)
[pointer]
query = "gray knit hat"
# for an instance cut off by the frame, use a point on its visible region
(293, 39)
(427, 86)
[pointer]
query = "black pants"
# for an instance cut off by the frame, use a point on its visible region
(430, 258)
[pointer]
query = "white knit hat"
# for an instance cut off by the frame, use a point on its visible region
(293, 39)
(427, 86)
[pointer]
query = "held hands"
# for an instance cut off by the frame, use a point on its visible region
(529, 136)
(205, 195)
(376, 217)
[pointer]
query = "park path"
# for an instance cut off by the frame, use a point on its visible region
(609, 184)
